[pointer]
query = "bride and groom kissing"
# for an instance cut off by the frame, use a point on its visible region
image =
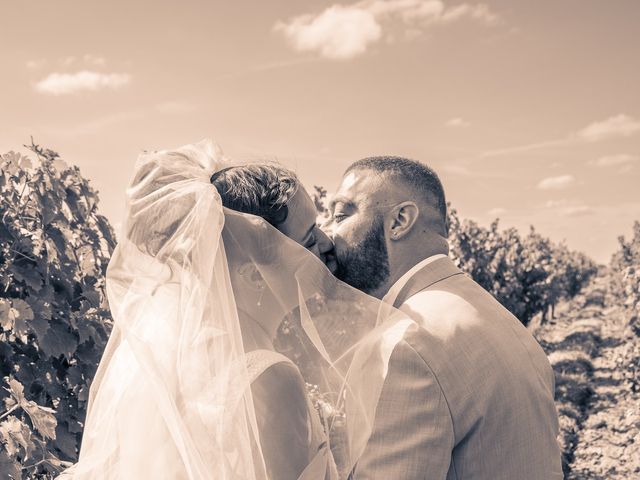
(229, 301)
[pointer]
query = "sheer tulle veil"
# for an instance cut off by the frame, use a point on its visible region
(172, 397)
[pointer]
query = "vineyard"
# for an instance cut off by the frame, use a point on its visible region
(54, 321)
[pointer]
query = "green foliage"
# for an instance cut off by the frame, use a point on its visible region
(625, 285)
(54, 318)
(528, 274)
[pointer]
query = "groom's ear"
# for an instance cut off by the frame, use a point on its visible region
(403, 218)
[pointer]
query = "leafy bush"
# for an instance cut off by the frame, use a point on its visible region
(527, 274)
(54, 319)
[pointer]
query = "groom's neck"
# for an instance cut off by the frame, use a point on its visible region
(404, 257)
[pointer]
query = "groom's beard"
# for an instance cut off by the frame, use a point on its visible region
(365, 265)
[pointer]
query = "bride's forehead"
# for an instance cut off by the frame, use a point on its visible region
(301, 202)
(301, 216)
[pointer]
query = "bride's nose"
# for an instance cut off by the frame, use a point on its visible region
(325, 244)
(327, 227)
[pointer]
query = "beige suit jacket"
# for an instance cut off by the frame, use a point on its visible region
(469, 393)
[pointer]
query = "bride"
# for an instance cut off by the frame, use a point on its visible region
(235, 354)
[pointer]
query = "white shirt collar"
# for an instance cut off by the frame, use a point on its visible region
(394, 291)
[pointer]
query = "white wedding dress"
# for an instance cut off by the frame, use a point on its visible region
(177, 394)
(310, 457)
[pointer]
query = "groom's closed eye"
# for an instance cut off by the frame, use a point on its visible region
(340, 212)
(338, 217)
(340, 209)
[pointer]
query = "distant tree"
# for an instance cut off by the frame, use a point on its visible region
(528, 274)
(625, 285)
(319, 196)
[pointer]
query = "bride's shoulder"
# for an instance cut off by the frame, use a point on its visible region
(278, 391)
(267, 366)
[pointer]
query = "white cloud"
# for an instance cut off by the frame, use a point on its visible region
(617, 126)
(341, 32)
(479, 12)
(408, 10)
(615, 160)
(556, 183)
(577, 211)
(337, 33)
(457, 123)
(68, 83)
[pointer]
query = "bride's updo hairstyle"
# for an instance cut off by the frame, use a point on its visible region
(157, 213)
(263, 190)
(161, 198)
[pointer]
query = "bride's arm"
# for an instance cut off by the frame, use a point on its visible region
(279, 399)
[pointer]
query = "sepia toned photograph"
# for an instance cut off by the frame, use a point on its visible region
(320, 240)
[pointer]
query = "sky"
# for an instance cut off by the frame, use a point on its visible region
(528, 110)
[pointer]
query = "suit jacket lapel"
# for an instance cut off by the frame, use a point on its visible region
(430, 274)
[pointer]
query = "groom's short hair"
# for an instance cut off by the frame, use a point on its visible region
(262, 189)
(419, 177)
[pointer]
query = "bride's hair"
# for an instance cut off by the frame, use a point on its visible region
(261, 189)
(157, 213)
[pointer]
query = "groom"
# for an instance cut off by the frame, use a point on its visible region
(469, 393)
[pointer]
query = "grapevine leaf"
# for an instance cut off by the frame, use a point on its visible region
(42, 418)
(29, 276)
(16, 390)
(6, 315)
(92, 296)
(8, 467)
(17, 437)
(22, 316)
(58, 340)
(66, 441)
(12, 167)
(25, 163)
(40, 326)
